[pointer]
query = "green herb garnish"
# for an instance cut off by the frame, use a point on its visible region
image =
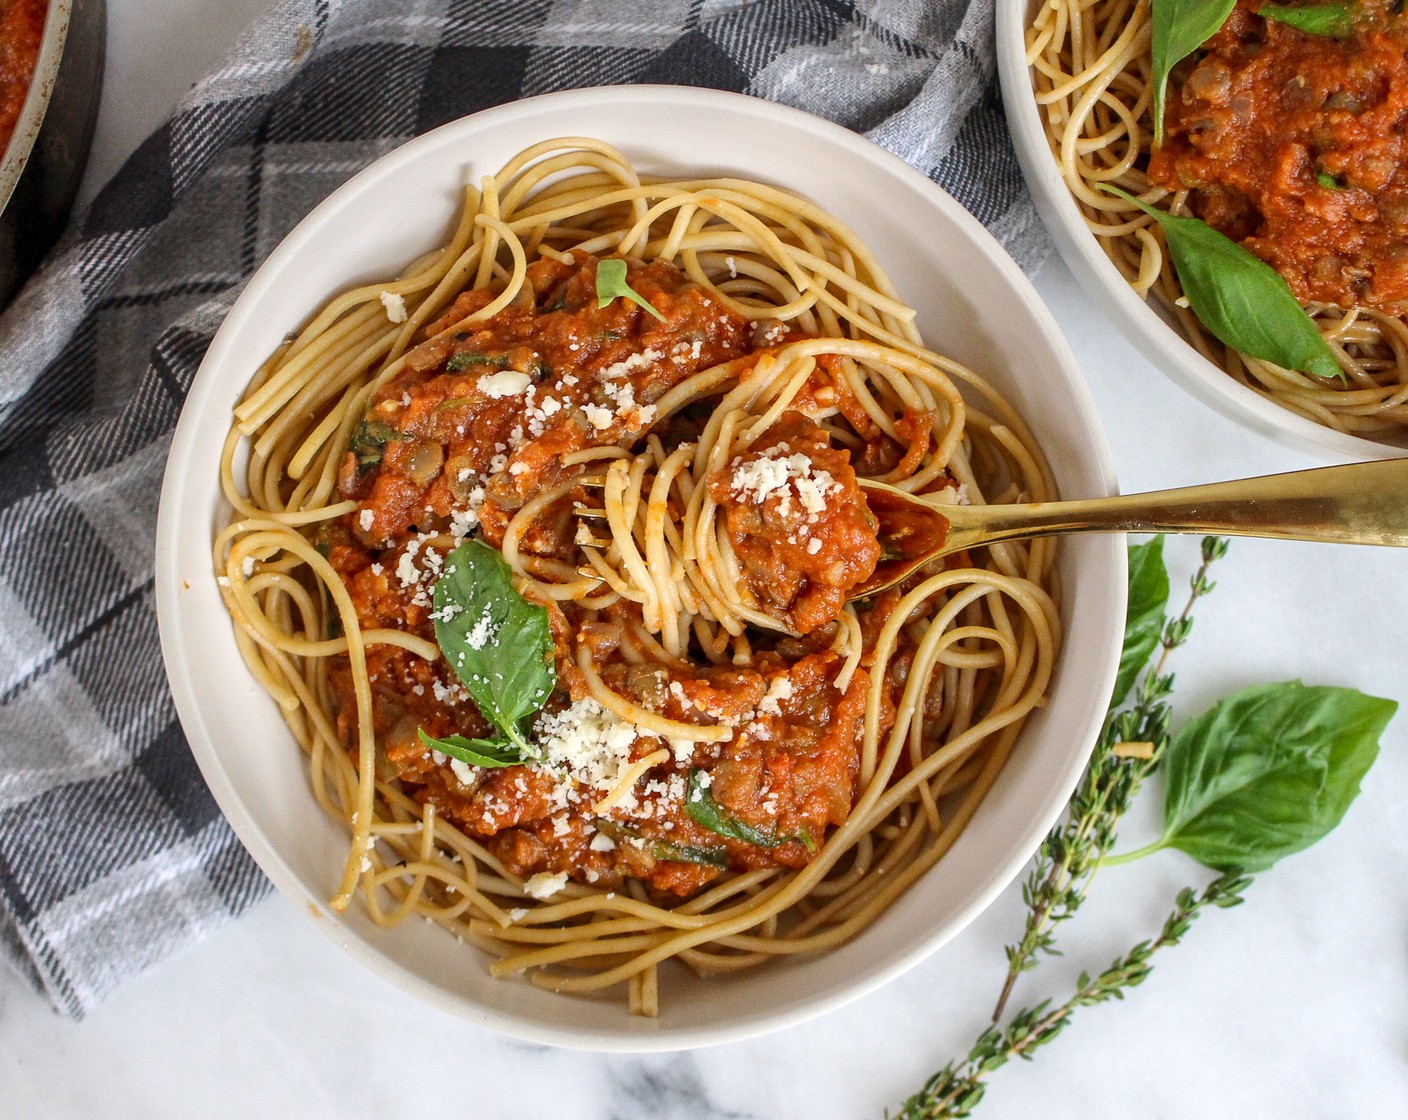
(1265, 773)
(1330, 21)
(369, 440)
(462, 360)
(1240, 298)
(666, 850)
(1179, 28)
(611, 284)
(1329, 182)
(477, 752)
(688, 853)
(498, 644)
(1144, 614)
(708, 813)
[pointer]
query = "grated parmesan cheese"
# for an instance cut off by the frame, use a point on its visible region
(779, 689)
(395, 306)
(587, 742)
(779, 476)
(598, 417)
(505, 383)
(543, 885)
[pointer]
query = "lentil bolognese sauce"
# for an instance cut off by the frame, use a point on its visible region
(1286, 137)
(546, 549)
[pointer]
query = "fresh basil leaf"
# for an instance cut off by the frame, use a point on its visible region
(1240, 298)
(369, 440)
(611, 284)
(1179, 28)
(462, 360)
(709, 814)
(664, 849)
(1268, 771)
(1144, 615)
(688, 853)
(1330, 21)
(476, 752)
(1328, 181)
(499, 644)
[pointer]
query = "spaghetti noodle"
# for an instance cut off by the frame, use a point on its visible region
(736, 762)
(1092, 75)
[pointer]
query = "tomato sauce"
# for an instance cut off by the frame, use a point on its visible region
(1293, 145)
(474, 426)
(21, 29)
(808, 540)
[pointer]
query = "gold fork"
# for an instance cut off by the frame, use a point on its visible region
(1361, 503)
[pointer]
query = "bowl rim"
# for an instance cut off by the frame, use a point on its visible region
(36, 102)
(1096, 459)
(1164, 348)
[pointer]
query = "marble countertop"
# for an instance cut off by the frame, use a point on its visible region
(1290, 1006)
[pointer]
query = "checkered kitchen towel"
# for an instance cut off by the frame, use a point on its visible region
(112, 852)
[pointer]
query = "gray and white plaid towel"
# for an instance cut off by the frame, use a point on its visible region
(112, 852)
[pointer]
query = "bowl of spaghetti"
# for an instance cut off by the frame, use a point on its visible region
(512, 553)
(1249, 240)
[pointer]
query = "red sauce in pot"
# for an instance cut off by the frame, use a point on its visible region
(1293, 144)
(21, 29)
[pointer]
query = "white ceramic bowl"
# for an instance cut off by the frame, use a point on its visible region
(1141, 322)
(973, 304)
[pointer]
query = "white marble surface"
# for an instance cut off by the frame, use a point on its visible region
(1291, 1006)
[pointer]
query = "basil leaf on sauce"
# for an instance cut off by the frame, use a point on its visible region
(369, 440)
(709, 814)
(1330, 21)
(1267, 772)
(476, 752)
(1144, 615)
(1240, 298)
(462, 360)
(498, 644)
(688, 853)
(1179, 28)
(666, 850)
(611, 284)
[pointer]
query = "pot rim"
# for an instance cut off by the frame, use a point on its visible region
(36, 102)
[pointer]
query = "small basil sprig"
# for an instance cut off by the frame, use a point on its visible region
(708, 813)
(1144, 613)
(611, 284)
(499, 645)
(1239, 297)
(1330, 21)
(489, 753)
(1179, 28)
(1266, 772)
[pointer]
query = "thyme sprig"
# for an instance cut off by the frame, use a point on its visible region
(955, 1091)
(1264, 773)
(1070, 855)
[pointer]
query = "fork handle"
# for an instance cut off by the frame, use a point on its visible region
(1360, 503)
